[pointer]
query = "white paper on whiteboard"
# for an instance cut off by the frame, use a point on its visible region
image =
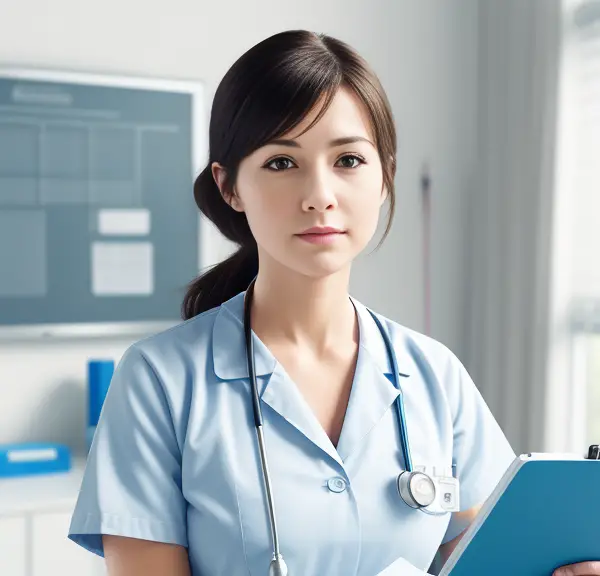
(122, 268)
(130, 222)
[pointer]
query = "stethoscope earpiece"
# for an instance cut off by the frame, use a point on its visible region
(417, 489)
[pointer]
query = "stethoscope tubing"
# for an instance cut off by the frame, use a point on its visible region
(278, 564)
(258, 420)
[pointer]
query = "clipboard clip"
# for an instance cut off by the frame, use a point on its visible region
(593, 452)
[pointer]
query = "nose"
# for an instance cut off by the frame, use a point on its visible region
(319, 196)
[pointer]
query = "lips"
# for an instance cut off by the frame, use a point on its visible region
(321, 230)
(321, 235)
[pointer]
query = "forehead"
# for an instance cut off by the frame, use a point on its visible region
(346, 116)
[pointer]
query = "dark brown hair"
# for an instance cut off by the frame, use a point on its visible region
(264, 95)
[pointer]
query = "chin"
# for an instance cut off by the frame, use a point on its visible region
(321, 267)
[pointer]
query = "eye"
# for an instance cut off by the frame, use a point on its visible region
(350, 161)
(279, 164)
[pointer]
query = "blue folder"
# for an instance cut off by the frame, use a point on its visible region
(30, 459)
(544, 513)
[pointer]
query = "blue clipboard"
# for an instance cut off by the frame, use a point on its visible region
(544, 513)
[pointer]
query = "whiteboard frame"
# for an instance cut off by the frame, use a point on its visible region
(197, 90)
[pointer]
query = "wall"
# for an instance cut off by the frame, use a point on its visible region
(425, 52)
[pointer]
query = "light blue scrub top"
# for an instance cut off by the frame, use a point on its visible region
(175, 456)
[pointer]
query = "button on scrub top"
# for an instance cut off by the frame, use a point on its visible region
(175, 456)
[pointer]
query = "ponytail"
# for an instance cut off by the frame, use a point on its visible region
(232, 276)
(220, 283)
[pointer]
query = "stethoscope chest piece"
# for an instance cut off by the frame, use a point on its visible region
(417, 489)
(278, 566)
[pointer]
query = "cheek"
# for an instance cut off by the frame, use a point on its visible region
(364, 214)
(365, 203)
(267, 213)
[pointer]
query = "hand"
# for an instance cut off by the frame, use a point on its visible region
(579, 569)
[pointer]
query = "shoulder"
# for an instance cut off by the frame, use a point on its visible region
(191, 336)
(173, 357)
(423, 353)
(430, 364)
(170, 370)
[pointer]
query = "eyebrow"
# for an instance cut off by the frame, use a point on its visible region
(336, 142)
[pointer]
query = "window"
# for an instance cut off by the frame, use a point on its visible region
(578, 208)
(593, 401)
(585, 396)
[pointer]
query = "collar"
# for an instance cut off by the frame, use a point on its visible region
(229, 349)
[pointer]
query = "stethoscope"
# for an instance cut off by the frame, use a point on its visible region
(416, 488)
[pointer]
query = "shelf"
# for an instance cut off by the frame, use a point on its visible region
(41, 492)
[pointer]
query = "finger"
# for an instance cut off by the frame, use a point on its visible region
(579, 569)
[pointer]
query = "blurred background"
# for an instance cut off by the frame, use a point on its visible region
(495, 249)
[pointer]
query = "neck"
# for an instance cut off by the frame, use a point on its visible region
(312, 312)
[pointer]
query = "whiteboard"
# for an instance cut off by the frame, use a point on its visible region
(99, 231)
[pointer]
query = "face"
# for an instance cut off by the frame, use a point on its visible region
(313, 200)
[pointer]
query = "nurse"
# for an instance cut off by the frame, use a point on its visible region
(302, 160)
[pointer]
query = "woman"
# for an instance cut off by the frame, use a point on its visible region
(302, 158)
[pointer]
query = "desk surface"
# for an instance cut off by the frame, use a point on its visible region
(35, 493)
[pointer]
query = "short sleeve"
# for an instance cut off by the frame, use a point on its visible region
(482, 453)
(132, 480)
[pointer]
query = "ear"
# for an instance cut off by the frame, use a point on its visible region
(220, 176)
